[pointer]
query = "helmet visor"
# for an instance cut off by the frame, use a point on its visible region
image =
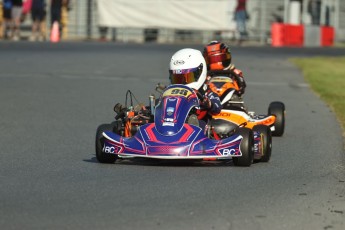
(184, 76)
(218, 58)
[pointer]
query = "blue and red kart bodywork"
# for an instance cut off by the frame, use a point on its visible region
(189, 143)
(170, 137)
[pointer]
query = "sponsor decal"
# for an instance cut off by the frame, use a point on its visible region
(227, 152)
(177, 92)
(168, 124)
(110, 149)
(170, 111)
(221, 79)
(225, 114)
(256, 147)
(178, 62)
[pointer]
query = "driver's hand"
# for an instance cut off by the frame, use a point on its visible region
(206, 103)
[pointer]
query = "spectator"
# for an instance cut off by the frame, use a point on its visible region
(7, 17)
(55, 11)
(103, 31)
(240, 17)
(16, 18)
(38, 14)
(327, 15)
(1, 20)
(314, 9)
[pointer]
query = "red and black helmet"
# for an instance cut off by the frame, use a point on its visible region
(217, 56)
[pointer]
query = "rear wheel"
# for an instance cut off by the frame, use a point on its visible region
(278, 109)
(266, 141)
(100, 155)
(246, 147)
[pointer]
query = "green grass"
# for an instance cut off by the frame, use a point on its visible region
(339, 45)
(326, 76)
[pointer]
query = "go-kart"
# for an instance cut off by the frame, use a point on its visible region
(235, 114)
(170, 134)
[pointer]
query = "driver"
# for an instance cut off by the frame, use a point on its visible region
(188, 66)
(218, 58)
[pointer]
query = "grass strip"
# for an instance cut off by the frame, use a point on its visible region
(326, 76)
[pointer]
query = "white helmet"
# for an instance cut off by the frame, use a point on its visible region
(188, 66)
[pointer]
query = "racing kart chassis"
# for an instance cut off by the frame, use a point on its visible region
(170, 137)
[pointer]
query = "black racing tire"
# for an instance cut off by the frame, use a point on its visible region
(246, 147)
(266, 138)
(100, 155)
(277, 108)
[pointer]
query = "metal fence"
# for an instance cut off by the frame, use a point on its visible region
(82, 23)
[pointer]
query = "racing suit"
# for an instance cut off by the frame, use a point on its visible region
(235, 74)
(209, 105)
(238, 75)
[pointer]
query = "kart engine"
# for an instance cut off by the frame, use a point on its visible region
(219, 128)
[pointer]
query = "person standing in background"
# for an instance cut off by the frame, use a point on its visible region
(7, 17)
(56, 11)
(16, 16)
(103, 31)
(1, 21)
(38, 14)
(240, 17)
(314, 9)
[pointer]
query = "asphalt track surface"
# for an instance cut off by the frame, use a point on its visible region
(53, 97)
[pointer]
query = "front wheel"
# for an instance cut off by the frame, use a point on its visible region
(246, 147)
(266, 141)
(277, 109)
(101, 156)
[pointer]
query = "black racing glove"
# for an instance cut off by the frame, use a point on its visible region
(206, 103)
